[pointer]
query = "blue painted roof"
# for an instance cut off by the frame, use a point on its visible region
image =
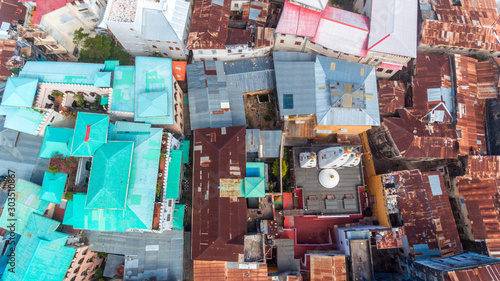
(153, 104)
(102, 79)
(53, 187)
(61, 72)
(109, 175)
(20, 92)
(41, 253)
(56, 140)
(91, 131)
(110, 65)
(154, 75)
(26, 120)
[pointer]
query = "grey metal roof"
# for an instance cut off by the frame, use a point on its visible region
(112, 262)
(19, 153)
(156, 27)
(253, 140)
(307, 82)
(286, 256)
(157, 255)
(270, 143)
(214, 85)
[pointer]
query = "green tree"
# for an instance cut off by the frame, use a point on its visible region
(276, 168)
(79, 36)
(100, 48)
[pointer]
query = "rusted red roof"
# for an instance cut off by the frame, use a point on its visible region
(218, 224)
(484, 167)
(470, 111)
(11, 11)
(432, 72)
(487, 78)
(237, 36)
(415, 139)
(264, 37)
(471, 25)
(482, 273)
(218, 271)
(7, 49)
(328, 268)
(426, 212)
(391, 96)
(209, 25)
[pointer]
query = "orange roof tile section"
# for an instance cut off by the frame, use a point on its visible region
(391, 96)
(472, 25)
(218, 271)
(470, 111)
(328, 268)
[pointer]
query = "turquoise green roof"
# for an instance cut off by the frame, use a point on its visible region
(255, 187)
(25, 120)
(91, 131)
(56, 140)
(154, 75)
(152, 104)
(178, 220)
(185, 151)
(68, 214)
(27, 199)
(53, 187)
(61, 72)
(20, 92)
(102, 79)
(138, 213)
(109, 176)
(110, 65)
(123, 89)
(174, 175)
(41, 253)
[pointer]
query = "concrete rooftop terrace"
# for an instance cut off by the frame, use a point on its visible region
(307, 180)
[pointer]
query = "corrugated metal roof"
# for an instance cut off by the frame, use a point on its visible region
(165, 263)
(270, 144)
(328, 268)
(174, 175)
(309, 85)
(61, 72)
(91, 131)
(415, 139)
(209, 27)
(7, 51)
(391, 95)
(252, 140)
(19, 92)
(343, 31)
(218, 224)
(224, 271)
(25, 120)
(470, 114)
(465, 262)
(298, 20)
(123, 89)
(428, 218)
(393, 27)
(53, 187)
(156, 27)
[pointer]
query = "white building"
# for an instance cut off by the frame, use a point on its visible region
(144, 27)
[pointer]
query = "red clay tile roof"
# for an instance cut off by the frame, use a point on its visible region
(433, 71)
(391, 96)
(328, 268)
(470, 112)
(415, 139)
(482, 273)
(11, 11)
(428, 218)
(209, 25)
(465, 26)
(7, 48)
(218, 224)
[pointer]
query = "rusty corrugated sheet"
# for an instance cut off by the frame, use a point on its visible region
(209, 25)
(428, 218)
(7, 49)
(484, 167)
(328, 268)
(238, 36)
(493, 247)
(390, 239)
(302, 128)
(482, 273)
(264, 37)
(391, 95)
(487, 78)
(433, 71)
(218, 224)
(470, 111)
(415, 139)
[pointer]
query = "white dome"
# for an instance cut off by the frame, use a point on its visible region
(329, 178)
